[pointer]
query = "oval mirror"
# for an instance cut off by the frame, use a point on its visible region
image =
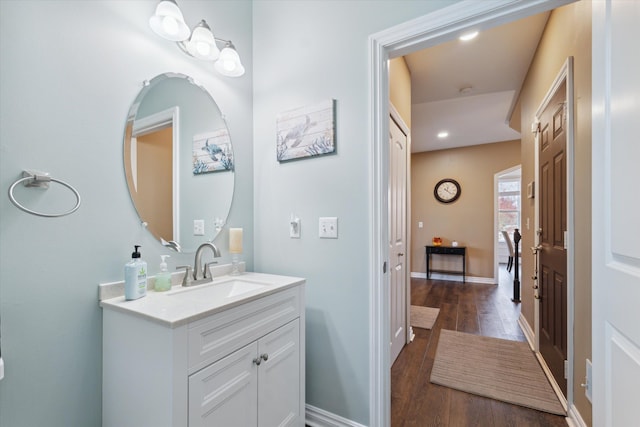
(178, 162)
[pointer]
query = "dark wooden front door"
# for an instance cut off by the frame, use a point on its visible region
(553, 223)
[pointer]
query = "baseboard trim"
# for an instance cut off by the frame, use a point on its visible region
(574, 419)
(455, 278)
(553, 382)
(527, 331)
(316, 417)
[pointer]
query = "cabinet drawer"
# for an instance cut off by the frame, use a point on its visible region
(216, 336)
(445, 250)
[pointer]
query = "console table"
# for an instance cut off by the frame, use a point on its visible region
(447, 250)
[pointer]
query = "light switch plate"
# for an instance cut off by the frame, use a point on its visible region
(328, 227)
(198, 227)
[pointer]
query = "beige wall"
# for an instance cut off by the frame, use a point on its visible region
(154, 198)
(568, 33)
(469, 220)
(400, 88)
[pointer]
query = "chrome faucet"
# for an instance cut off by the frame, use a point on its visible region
(200, 272)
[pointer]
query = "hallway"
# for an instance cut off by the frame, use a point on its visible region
(473, 308)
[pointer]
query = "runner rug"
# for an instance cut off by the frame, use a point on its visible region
(423, 317)
(495, 368)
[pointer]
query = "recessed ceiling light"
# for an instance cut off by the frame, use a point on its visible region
(443, 134)
(469, 36)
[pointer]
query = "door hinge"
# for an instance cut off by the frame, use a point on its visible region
(565, 239)
(535, 127)
(384, 267)
(566, 369)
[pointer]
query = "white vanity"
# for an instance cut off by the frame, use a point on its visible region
(225, 354)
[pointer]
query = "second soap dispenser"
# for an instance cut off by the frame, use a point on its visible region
(163, 278)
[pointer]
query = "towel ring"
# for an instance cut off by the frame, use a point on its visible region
(41, 180)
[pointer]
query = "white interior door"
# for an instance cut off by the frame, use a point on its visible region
(398, 236)
(616, 209)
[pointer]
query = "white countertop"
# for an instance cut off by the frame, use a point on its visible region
(180, 305)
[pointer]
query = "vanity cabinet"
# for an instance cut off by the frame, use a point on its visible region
(252, 386)
(240, 366)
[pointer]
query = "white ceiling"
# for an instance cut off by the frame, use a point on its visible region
(494, 65)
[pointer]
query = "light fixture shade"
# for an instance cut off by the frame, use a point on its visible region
(228, 63)
(202, 44)
(168, 22)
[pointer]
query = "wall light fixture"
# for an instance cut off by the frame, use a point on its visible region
(168, 23)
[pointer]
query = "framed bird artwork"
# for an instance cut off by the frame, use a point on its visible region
(306, 131)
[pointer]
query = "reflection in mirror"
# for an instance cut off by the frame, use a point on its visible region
(178, 162)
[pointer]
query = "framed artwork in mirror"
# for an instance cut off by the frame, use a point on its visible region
(307, 131)
(212, 152)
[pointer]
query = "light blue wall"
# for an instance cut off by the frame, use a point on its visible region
(305, 52)
(69, 71)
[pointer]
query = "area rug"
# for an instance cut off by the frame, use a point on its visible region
(423, 317)
(495, 368)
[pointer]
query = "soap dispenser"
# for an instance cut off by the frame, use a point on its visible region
(135, 277)
(163, 279)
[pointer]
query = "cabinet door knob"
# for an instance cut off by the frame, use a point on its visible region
(400, 254)
(264, 356)
(257, 361)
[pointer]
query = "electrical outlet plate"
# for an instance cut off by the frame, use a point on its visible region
(294, 228)
(328, 227)
(198, 227)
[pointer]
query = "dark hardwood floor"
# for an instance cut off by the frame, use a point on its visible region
(474, 308)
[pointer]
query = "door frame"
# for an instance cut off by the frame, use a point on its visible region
(496, 195)
(395, 115)
(565, 74)
(420, 33)
(154, 122)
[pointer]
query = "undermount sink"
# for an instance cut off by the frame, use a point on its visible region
(228, 288)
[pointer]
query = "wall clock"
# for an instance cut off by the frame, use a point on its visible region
(447, 190)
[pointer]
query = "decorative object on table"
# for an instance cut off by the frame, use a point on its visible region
(437, 241)
(447, 190)
(454, 244)
(212, 152)
(306, 131)
(235, 248)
